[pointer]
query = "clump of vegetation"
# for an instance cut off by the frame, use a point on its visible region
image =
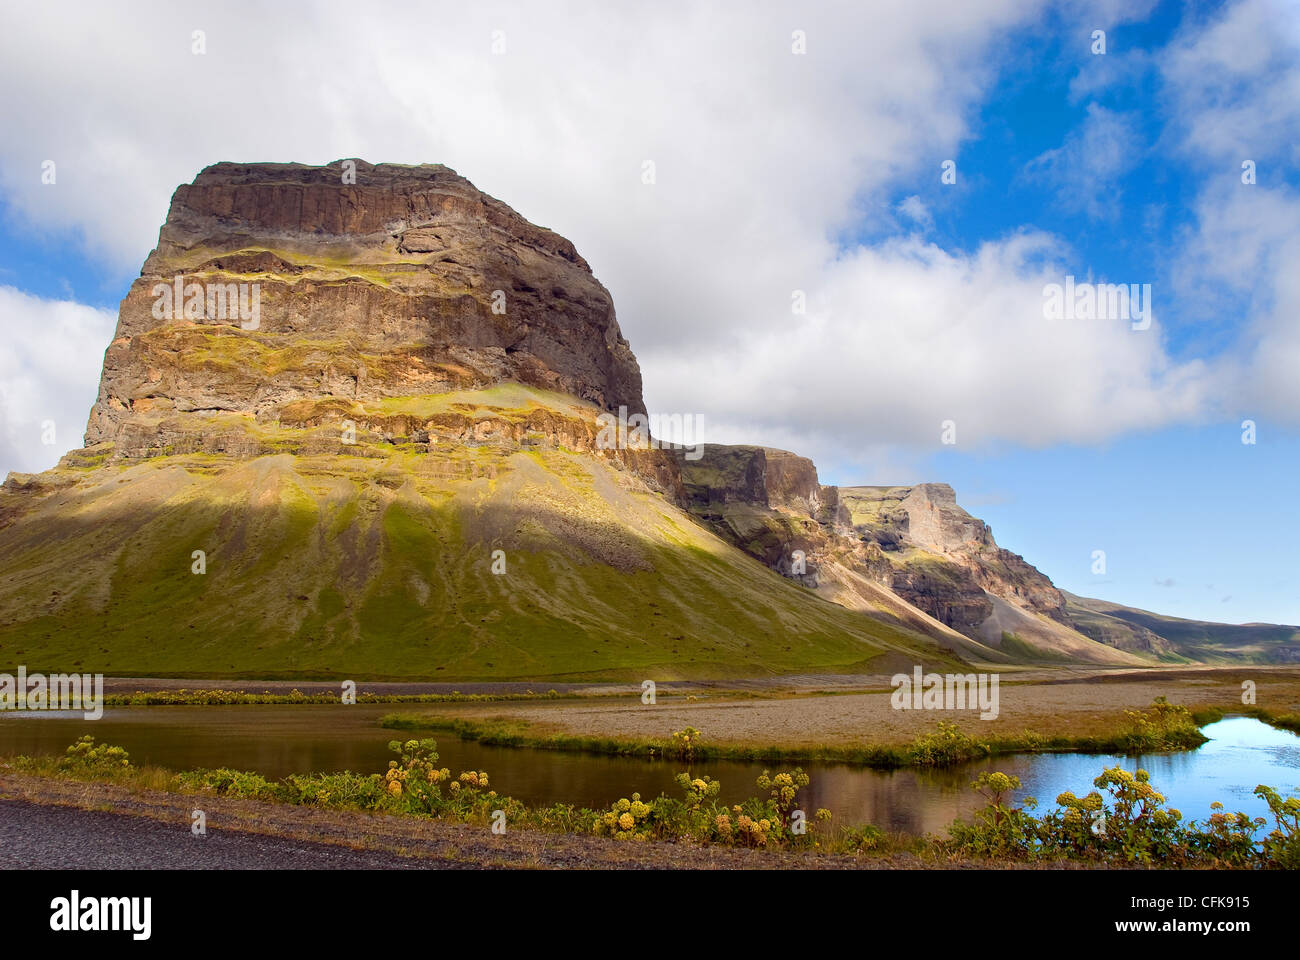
(1134, 828)
(415, 784)
(684, 744)
(698, 790)
(1000, 831)
(627, 820)
(1282, 846)
(782, 789)
(1128, 824)
(218, 697)
(700, 816)
(946, 746)
(1166, 726)
(87, 757)
(227, 782)
(864, 839)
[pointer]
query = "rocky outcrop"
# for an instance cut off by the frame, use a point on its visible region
(913, 540)
(926, 517)
(397, 281)
(759, 476)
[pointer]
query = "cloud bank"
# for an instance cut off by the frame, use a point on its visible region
(767, 162)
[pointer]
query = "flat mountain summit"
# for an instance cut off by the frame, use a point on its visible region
(349, 425)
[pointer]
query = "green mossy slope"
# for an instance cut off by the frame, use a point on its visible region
(365, 565)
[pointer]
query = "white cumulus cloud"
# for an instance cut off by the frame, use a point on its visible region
(49, 373)
(767, 163)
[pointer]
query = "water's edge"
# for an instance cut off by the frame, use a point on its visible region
(1241, 753)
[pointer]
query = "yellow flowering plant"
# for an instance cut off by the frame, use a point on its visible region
(698, 790)
(413, 780)
(627, 819)
(686, 742)
(783, 789)
(87, 756)
(1281, 848)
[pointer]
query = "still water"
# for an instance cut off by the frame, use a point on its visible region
(278, 740)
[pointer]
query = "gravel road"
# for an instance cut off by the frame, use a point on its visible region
(33, 835)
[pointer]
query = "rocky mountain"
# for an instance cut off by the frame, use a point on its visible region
(877, 548)
(913, 554)
(408, 282)
(350, 429)
(350, 425)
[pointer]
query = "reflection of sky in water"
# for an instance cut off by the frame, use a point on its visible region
(1241, 754)
(279, 740)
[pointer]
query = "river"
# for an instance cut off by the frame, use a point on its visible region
(276, 740)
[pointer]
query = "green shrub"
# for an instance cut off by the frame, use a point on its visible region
(999, 831)
(864, 839)
(230, 783)
(627, 820)
(87, 757)
(1165, 726)
(946, 746)
(1281, 848)
(1128, 823)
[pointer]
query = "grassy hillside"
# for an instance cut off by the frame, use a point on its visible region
(375, 561)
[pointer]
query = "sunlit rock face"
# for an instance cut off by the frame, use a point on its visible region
(275, 284)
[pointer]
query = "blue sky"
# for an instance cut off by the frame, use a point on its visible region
(818, 172)
(1193, 522)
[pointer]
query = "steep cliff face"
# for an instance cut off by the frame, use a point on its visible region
(753, 475)
(927, 553)
(407, 282)
(926, 517)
